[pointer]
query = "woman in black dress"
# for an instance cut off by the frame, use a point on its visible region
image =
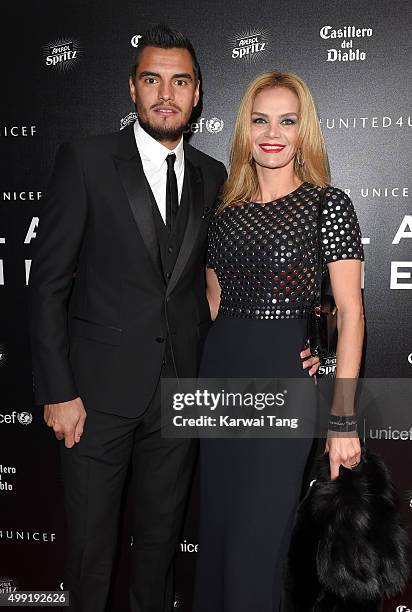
(261, 282)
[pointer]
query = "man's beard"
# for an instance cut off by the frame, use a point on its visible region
(163, 133)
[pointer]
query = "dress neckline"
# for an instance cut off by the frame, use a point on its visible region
(288, 195)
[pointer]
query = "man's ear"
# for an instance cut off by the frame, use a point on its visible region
(132, 89)
(197, 94)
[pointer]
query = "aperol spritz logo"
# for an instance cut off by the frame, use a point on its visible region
(127, 120)
(62, 54)
(8, 585)
(250, 46)
(328, 366)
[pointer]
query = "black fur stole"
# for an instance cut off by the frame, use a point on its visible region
(349, 548)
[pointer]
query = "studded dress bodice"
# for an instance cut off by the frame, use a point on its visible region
(265, 255)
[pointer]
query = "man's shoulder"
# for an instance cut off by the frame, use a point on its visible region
(203, 159)
(96, 142)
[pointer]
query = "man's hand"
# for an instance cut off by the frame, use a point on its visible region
(313, 362)
(342, 450)
(67, 420)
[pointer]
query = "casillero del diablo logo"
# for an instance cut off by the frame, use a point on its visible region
(342, 39)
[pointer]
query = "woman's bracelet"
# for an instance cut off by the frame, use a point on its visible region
(342, 423)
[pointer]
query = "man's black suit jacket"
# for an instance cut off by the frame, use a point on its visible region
(100, 309)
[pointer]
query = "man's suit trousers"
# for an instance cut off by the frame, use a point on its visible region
(94, 473)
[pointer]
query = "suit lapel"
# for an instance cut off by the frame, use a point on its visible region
(196, 196)
(130, 169)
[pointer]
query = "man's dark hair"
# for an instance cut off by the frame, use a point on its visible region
(163, 37)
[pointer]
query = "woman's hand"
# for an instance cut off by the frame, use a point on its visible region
(342, 450)
(310, 361)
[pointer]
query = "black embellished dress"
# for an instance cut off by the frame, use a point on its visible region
(264, 256)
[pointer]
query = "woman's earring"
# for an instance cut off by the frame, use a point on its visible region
(299, 159)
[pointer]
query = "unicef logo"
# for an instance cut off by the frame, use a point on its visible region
(214, 125)
(25, 418)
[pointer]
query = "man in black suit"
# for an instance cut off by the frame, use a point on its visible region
(118, 301)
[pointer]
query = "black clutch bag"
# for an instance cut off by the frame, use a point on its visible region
(322, 330)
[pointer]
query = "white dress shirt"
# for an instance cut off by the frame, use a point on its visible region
(153, 156)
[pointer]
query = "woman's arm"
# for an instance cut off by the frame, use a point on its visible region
(345, 276)
(212, 292)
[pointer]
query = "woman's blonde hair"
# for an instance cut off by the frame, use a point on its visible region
(242, 183)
